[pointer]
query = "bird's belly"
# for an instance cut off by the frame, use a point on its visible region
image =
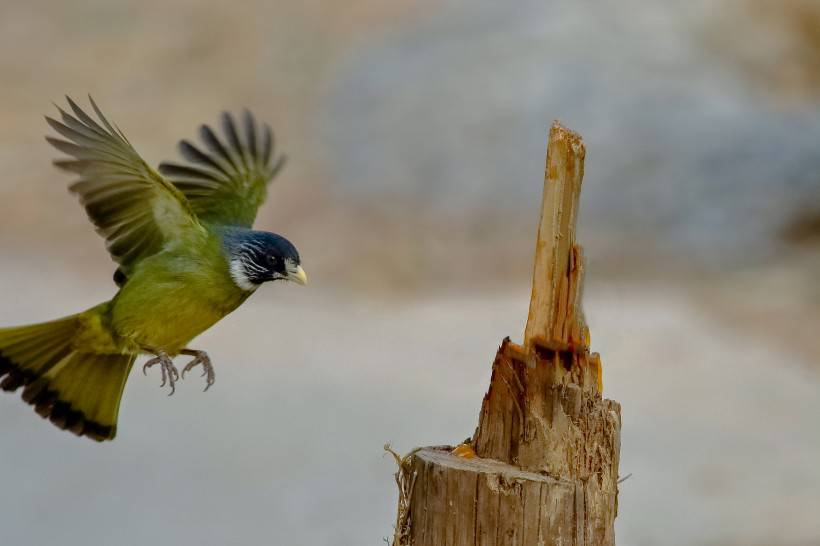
(165, 327)
(166, 316)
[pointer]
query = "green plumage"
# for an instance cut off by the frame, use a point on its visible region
(194, 281)
(166, 234)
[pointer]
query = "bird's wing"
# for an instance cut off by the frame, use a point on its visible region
(135, 209)
(226, 182)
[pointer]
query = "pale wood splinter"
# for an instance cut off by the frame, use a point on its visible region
(556, 320)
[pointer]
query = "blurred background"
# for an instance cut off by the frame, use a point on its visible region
(416, 133)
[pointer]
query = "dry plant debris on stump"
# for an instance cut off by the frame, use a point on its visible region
(542, 466)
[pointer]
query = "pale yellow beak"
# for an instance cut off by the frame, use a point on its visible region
(298, 275)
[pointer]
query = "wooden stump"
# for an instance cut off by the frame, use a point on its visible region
(542, 466)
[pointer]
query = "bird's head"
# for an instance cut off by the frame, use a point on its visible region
(256, 257)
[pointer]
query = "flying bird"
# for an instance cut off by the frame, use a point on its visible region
(186, 256)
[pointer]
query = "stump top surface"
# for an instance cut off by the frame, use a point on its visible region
(444, 458)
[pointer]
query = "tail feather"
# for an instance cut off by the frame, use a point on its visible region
(77, 391)
(40, 346)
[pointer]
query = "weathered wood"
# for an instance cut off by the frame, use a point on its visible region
(556, 320)
(542, 466)
(544, 413)
(505, 506)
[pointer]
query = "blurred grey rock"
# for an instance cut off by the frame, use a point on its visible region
(454, 113)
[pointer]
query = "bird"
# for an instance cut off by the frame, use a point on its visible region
(186, 253)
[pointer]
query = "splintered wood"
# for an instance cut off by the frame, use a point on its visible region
(544, 413)
(542, 466)
(556, 320)
(557, 430)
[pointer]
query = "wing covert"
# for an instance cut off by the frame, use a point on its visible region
(131, 205)
(226, 182)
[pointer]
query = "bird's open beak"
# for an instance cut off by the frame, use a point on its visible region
(298, 275)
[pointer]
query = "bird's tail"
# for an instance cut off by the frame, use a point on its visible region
(75, 390)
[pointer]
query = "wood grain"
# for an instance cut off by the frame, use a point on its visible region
(542, 465)
(555, 319)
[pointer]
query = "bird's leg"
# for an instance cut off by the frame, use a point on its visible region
(200, 357)
(169, 372)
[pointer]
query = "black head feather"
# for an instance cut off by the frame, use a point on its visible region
(256, 257)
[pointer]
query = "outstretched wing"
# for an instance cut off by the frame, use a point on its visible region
(135, 209)
(227, 184)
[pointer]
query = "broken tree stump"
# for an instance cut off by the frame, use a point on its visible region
(542, 466)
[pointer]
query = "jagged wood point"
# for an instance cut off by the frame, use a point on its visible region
(542, 466)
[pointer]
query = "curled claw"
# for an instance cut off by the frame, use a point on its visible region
(200, 358)
(169, 373)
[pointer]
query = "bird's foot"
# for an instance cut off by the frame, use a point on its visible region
(200, 357)
(169, 372)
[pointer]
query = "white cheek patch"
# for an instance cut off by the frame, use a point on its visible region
(291, 267)
(240, 277)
